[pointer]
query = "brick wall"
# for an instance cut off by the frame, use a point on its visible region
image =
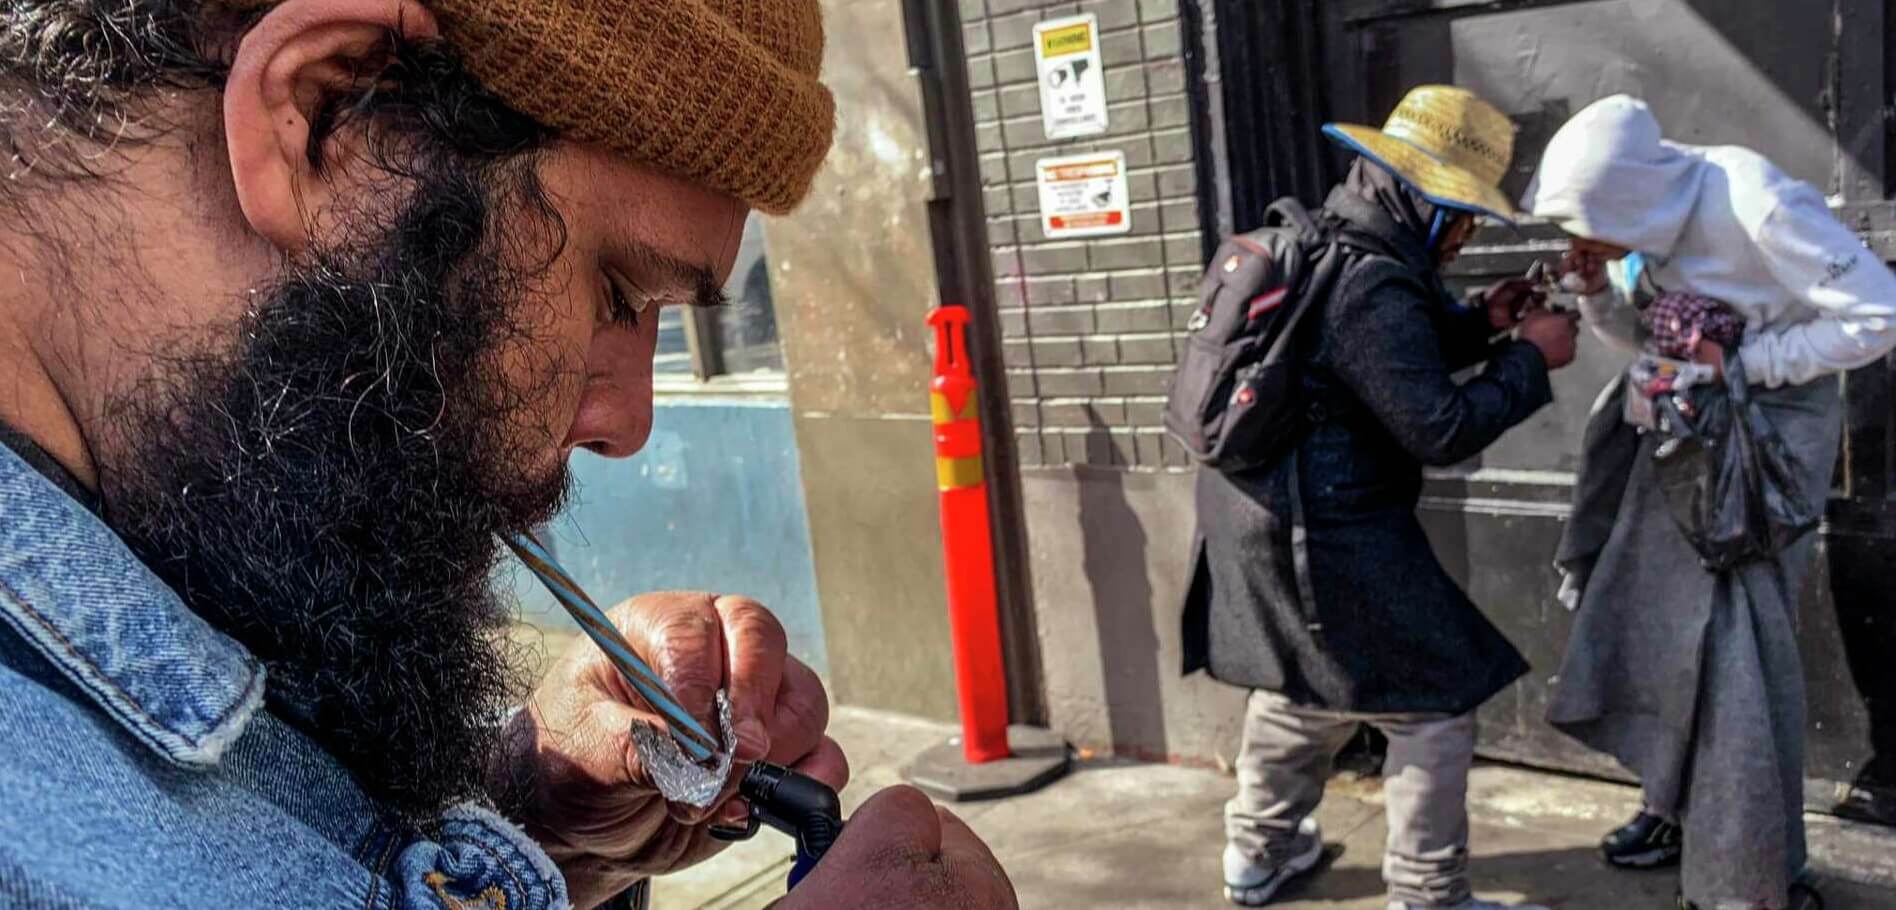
(1091, 328)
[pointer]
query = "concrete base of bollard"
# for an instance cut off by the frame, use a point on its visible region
(1040, 758)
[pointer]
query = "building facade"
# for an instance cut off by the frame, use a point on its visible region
(1212, 109)
(1215, 107)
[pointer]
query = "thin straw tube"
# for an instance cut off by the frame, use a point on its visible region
(685, 729)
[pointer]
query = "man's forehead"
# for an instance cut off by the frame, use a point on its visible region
(670, 222)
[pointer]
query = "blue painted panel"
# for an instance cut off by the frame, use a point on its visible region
(713, 503)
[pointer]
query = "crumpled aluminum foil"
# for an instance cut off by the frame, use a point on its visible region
(676, 776)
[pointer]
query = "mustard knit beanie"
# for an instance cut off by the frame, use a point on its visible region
(723, 92)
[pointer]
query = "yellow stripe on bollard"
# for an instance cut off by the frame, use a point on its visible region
(939, 410)
(959, 473)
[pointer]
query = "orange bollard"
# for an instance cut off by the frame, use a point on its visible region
(967, 542)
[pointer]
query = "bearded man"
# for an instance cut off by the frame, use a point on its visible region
(302, 304)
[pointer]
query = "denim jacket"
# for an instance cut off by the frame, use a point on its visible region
(140, 768)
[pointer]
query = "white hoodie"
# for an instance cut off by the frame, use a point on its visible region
(1726, 223)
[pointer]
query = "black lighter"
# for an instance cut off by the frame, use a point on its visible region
(791, 802)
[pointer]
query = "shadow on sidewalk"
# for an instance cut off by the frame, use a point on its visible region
(1562, 879)
(1349, 879)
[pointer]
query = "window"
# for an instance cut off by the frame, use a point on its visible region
(738, 341)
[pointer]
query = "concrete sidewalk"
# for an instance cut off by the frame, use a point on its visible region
(1126, 835)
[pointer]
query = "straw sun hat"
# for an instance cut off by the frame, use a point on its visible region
(1447, 143)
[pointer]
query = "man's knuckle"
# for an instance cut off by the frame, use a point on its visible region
(738, 602)
(804, 711)
(750, 619)
(683, 651)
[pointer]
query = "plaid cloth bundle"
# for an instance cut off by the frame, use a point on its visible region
(1678, 321)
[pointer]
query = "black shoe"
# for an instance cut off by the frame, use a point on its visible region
(1872, 797)
(1646, 842)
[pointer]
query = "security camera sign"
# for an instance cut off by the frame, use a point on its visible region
(1072, 87)
(1084, 195)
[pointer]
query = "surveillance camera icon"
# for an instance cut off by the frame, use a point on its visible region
(1060, 76)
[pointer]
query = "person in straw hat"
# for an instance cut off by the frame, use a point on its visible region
(1692, 677)
(304, 304)
(1313, 583)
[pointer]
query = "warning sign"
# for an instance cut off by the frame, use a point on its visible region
(1084, 195)
(1072, 87)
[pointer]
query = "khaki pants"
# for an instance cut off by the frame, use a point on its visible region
(1287, 757)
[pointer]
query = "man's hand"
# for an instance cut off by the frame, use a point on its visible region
(567, 769)
(900, 850)
(1508, 301)
(1555, 334)
(1711, 353)
(1583, 271)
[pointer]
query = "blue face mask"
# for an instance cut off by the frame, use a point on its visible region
(1634, 280)
(1635, 268)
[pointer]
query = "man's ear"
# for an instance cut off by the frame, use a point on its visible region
(298, 54)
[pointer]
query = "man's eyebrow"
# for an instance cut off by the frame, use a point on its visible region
(671, 273)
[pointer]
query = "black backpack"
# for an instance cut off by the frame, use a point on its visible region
(1235, 402)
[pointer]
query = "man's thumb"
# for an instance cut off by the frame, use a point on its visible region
(898, 819)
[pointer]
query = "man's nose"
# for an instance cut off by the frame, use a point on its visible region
(615, 410)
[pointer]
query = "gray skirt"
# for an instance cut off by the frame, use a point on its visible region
(1691, 679)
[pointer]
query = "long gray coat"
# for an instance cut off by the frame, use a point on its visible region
(1312, 577)
(1692, 678)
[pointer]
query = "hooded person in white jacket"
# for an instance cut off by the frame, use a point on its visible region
(1692, 678)
(1723, 222)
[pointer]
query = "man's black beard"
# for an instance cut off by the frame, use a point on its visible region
(325, 485)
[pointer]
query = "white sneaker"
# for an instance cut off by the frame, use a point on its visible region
(1469, 904)
(1250, 883)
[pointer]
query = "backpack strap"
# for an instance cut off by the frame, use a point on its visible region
(1291, 212)
(1316, 239)
(1314, 232)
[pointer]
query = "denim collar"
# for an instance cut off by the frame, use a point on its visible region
(43, 461)
(73, 590)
